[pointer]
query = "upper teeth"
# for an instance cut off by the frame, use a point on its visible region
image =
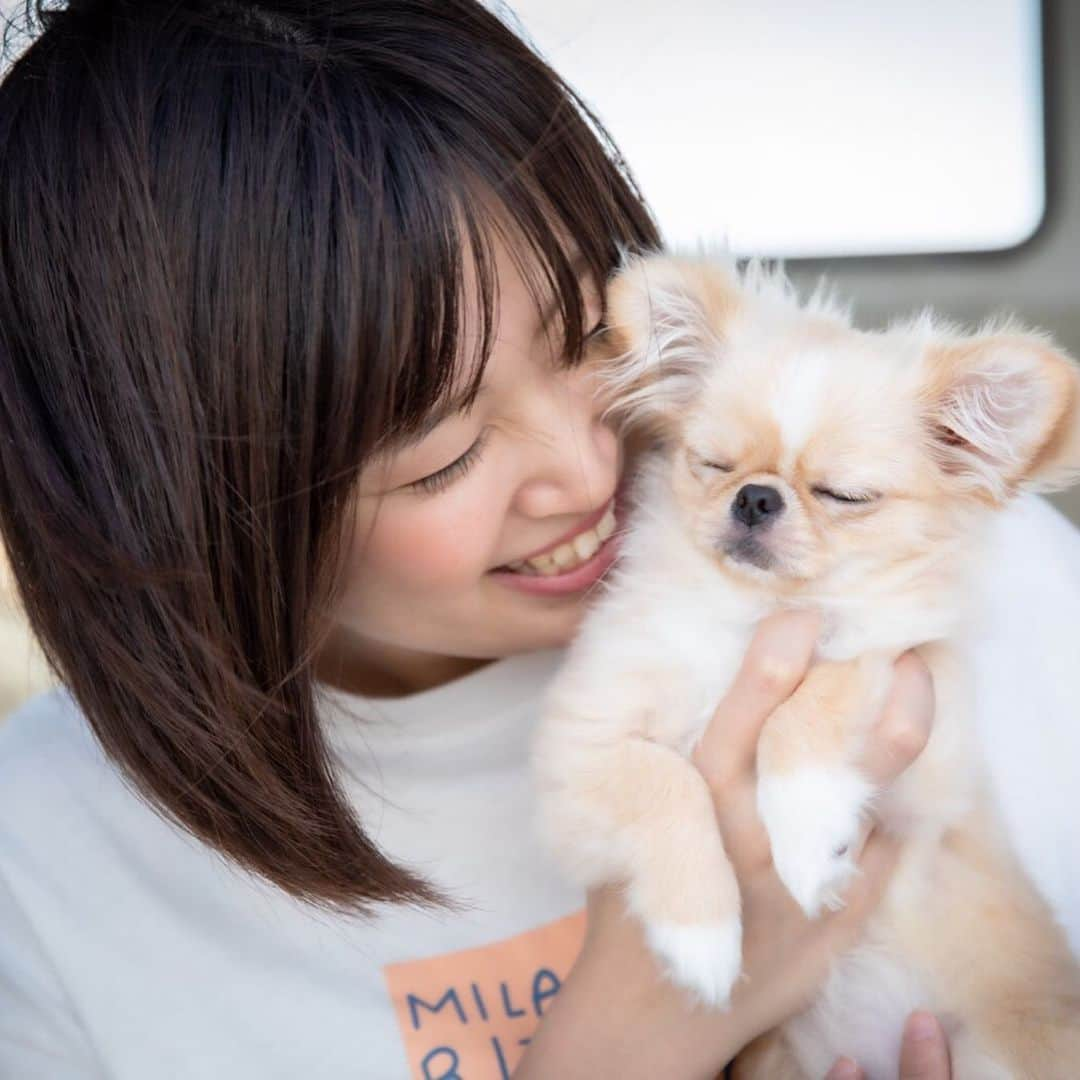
(573, 553)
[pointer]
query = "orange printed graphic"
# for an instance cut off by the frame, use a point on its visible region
(469, 1015)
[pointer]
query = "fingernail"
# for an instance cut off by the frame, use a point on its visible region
(844, 1069)
(922, 1026)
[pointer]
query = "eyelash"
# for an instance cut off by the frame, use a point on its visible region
(439, 481)
(840, 496)
(699, 462)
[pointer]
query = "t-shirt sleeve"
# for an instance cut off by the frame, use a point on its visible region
(41, 1038)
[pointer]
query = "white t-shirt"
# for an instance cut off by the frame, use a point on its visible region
(129, 950)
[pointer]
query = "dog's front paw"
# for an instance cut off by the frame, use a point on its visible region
(703, 958)
(813, 817)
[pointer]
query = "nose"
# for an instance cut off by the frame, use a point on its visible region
(756, 504)
(573, 457)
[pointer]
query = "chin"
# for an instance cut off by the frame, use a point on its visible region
(563, 626)
(530, 628)
(798, 462)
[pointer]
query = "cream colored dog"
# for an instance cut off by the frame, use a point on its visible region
(803, 463)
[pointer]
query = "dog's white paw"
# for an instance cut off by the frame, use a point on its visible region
(813, 817)
(703, 958)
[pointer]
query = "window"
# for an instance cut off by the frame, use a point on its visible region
(839, 127)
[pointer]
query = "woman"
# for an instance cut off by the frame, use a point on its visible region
(294, 316)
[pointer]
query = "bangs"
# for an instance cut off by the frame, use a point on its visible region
(542, 176)
(451, 292)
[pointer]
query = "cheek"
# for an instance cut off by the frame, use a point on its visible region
(439, 544)
(706, 503)
(803, 535)
(899, 530)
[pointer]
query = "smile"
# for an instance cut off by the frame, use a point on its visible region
(570, 553)
(571, 565)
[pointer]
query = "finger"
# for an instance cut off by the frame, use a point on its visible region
(902, 730)
(745, 840)
(924, 1052)
(875, 868)
(845, 1069)
(866, 827)
(773, 667)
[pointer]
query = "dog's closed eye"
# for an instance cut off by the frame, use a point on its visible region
(846, 496)
(707, 464)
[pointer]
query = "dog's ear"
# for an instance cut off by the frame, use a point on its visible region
(1003, 413)
(665, 319)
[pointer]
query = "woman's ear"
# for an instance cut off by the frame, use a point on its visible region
(666, 318)
(1003, 412)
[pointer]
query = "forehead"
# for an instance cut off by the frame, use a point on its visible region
(805, 394)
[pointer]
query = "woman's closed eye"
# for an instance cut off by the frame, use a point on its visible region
(444, 477)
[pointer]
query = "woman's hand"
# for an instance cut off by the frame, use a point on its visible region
(616, 1015)
(924, 1053)
(786, 956)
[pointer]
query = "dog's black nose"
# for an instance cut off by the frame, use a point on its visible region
(756, 504)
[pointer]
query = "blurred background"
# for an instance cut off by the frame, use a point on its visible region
(924, 152)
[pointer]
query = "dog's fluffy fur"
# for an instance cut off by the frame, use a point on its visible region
(889, 452)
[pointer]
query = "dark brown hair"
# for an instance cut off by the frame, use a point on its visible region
(230, 265)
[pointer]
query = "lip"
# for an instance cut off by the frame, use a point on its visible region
(574, 581)
(590, 522)
(583, 576)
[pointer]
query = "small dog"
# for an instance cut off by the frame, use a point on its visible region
(797, 462)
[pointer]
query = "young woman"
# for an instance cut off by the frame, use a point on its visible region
(295, 304)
